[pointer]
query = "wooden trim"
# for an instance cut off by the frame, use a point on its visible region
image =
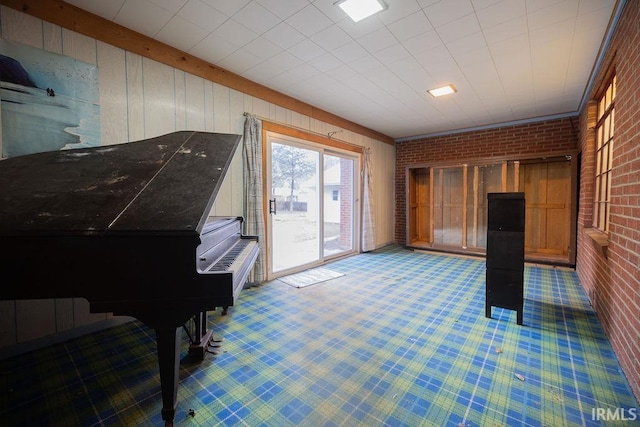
(75, 19)
(476, 189)
(308, 136)
(432, 208)
(465, 194)
(505, 175)
(483, 161)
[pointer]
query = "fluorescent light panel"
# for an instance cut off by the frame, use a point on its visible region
(360, 9)
(444, 90)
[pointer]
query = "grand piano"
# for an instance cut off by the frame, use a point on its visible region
(127, 227)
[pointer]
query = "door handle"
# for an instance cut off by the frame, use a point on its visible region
(272, 206)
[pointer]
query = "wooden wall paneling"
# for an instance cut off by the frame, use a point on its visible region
(221, 119)
(135, 97)
(194, 103)
(112, 66)
(35, 319)
(558, 209)
(180, 91)
(209, 125)
(535, 189)
(222, 123)
(236, 186)
(159, 99)
(8, 330)
(260, 108)
(79, 47)
(516, 176)
(21, 28)
(51, 37)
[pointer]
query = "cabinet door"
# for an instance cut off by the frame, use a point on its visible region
(505, 249)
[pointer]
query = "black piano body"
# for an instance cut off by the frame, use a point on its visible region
(127, 227)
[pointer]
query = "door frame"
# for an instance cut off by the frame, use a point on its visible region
(324, 145)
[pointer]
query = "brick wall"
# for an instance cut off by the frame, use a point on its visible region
(612, 278)
(525, 140)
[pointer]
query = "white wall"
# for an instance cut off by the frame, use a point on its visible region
(141, 98)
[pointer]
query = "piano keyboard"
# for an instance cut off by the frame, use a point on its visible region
(234, 256)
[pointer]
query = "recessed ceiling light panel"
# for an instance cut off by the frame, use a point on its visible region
(444, 90)
(360, 9)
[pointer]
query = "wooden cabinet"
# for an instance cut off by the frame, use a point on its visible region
(505, 252)
(447, 205)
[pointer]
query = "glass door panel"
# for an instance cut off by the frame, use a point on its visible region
(294, 206)
(338, 190)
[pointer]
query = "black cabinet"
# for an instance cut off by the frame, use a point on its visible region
(505, 252)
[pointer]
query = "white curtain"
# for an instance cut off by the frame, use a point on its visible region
(253, 205)
(368, 235)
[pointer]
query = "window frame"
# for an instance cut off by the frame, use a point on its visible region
(603, 155)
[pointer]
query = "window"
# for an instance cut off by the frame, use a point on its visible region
(604, 156)
(335, 195)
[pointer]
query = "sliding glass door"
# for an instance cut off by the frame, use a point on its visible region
(312, 204)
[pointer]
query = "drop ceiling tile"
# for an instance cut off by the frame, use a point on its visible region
(398, 9)
(378, 40)
(257, 18)
(350, 52)
(306, 50)
(201, 14)
(506, 30)
(228, 7)
(458, 28)
(262, 48)
(444, 12)
(181, 34)
(331, 38)
(213, 49)
(283, 9)
(171, 6)
(285, 60)
(362, 28)
(365, 64)
(235, 33)
(482, 4)
(472, 43)
(309, 21)
(588, 6)
(392, 54)
(501, 12)
(148, 18)
(535, 5)
(558, 12)
(325, 62)
(410, 26)
(239, 61)
(423, 43)
(284, 35)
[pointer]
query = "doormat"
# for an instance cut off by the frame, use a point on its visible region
(310, 277)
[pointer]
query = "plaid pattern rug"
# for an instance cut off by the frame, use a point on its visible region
(400, 340)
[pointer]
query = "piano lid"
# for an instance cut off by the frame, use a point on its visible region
(162, 184)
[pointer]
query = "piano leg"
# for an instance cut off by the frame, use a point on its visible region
(168, 341)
